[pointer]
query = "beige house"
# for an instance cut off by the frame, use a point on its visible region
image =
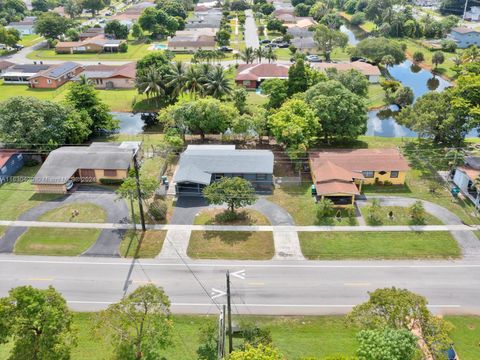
(372, 72)
(84, 164)
(191, 42)
(111, 76)
(96, 44)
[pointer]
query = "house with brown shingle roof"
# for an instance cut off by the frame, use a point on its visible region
(111, 76)
(372, 72)
(338, 175)
(251, 75)
(191, 42)
(96, 44)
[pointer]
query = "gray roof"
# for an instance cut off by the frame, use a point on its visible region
(62, 163)
(28, 68)
(473, 162)
(199, 162)
(59, 70)
(464, 30)
(304, 43)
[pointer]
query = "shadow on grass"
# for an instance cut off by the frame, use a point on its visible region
(229, 237)
(228, 218)
(136, 238)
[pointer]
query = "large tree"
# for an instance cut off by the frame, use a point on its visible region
(140, 325)
(376, 49)
(117, 29)
(401, 309)
(94, 5)
(9, 37)
(352, 80)
(342, 114)
(235, 192)
(277, 91)
(30, 122)
(386, 344)
(297, 78)
(73, 8)
(327, 39)
(51, 25)
(38, 324)
(158, 22)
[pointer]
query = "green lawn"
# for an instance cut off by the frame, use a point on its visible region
(254, 99)
(30, 40)
(18, 197)
(466, 336)
(231, 245)
(376, 97)
(151, 244)
(401, 216)
(153, 139)
(244, 217)
(378, 245)
(56, 241)
(87, 213)
(152, 166)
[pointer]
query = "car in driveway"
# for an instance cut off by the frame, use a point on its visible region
(18, 47)
(225, 48)
(265, 41)
(271, 45)
(313, 58)
(282, 45)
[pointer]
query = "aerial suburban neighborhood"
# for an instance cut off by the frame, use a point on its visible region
(240, 179)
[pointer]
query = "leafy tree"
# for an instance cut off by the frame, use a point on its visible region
(37, 322)
(73, 8)
(324, 209)
(418, 56)
(438, 58)
(116, 29)
(297, 78)
(401, 309)
(449, 45)
(152, 83)
(9, 37)
(267, 9)
(388, 60)
(173, 8)
(247, 55)
(277, 91)
(376, 48)
(417, 212)
(374, 213)
(128, 189)
(42, 5)
(342, 114)
(223, 37)
(235, 192)
(137, 32)
(139, 326)
(31, 122)
(354, 81)
(158, 22)
(262, 352)
(377, 9)
(403, 96)
(84, 97)
(327, 39)
(302, 9)
(274, 24)
(239, 98)
(12, 10)
(208, 339)
(239, 5)
(51, 25)
(386, 344)
(358, 19)
(94, 5)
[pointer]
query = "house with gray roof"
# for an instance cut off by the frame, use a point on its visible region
(25, 26)
(465, 37)
(21, 73)
(200, 165)
(97, 163)
(55, 76)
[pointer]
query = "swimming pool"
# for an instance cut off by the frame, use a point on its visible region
(159, 46)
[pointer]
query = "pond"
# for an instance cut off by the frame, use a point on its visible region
(130, 124)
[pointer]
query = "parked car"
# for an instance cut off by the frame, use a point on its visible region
(18, 47)
(69, 185)
(108, 14)
(313, 58)
(282, 45)
(271, 45)
(265, 41)
(278, 40)
(225, 48)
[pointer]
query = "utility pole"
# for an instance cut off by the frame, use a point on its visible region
(139, 192)
(221, 335)
(229, 309)
(465, 10)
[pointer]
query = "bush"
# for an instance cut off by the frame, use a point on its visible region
(123, 47)
(51, 43)
(358, 18)
(158, 210)
(374, 213)
(31, 162)
(449, 45)
(325, 209)
(418, 56)
(417, 213)
(104, 181)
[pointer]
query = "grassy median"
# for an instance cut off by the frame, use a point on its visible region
(133, 245)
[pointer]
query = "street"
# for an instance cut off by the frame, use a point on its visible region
(251, 31)
(273, 287)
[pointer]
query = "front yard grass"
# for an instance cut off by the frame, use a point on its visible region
(87, 213)
(56, 241)
(151, 166)
(466, 336)
(378, 245)
(231, 245)
(376, 97)
(30, 40)
(150, 245)
(243, 217)
(401, 216)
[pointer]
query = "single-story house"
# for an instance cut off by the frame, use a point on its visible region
(21, 73)
(55, 76)
(10, 163)
(465, 37)
(5, 65)
(191, 43)
(283, 11)
(301, 32)
(96, 44)
(251, 75)
(200, 165)
(473, 14)
(91, 33)
(465, 177)
(304, 44)
(60, 10)
(111, 76)
(372, 72)
(85, 164)
(338, 175)
(300, 22)
(25, 26)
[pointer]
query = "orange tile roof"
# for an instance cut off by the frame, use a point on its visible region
(336, 187)
(328, 171)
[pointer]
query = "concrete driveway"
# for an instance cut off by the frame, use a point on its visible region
(108, 241)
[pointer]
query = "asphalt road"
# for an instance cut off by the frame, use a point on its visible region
(274, 287)
(251, 31)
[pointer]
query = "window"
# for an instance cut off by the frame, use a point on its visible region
(368, 174)
(261, 176)
(218, 177)
(110, 172)
(49, 81)
(382, 172)
(394, 174)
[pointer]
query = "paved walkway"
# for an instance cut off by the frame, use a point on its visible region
(467, 240)
(109, 239)
(251, 31)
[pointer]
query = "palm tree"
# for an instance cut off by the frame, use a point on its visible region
(151, 83)
(84, 80)
(248, 55)
(270, 55)
(388, 60)
(260, 53)
(176, 78)
(193, 81)
(216, 83)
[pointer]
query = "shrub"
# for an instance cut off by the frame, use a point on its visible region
(158, 209)
(358, 18)
(104, 181)
(374, 213)
(30, 162)
(123, 47)
(417, 212)
(325, 209)
(418, 56)
(449, 45)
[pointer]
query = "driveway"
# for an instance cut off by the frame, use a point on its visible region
(108, 241)
(467, 240)
(251, 31)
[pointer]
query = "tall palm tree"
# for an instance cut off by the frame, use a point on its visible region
(248, 55)
(193, 81)
(151, 83)
(260, 53)
(217, 84)
(84, 80)
(270, 55)
(175, 78)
